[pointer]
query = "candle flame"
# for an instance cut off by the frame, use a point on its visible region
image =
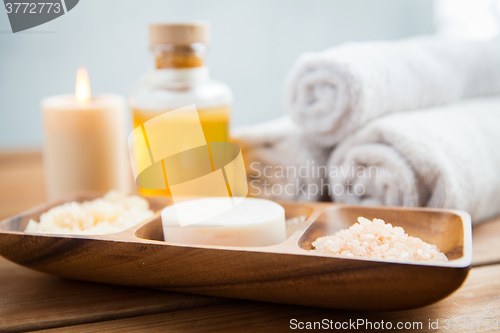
(82, 90)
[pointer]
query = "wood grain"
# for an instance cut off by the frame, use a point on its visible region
(476, 300)
(22, 187)
(486, 243)
(286, 273)
(32, 300)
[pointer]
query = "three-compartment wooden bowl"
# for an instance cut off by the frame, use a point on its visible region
(285, 273)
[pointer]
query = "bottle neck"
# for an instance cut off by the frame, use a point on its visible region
(178, 78)
(168, 56)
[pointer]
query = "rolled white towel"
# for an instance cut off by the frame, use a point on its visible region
(332, 93)
(281, 163)
(445, 157)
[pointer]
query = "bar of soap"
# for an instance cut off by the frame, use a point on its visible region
(251, 222)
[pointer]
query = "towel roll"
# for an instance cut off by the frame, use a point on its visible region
(443, 157)
(332, 93)
(281, 163)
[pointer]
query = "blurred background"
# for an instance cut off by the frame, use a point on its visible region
(254, 44)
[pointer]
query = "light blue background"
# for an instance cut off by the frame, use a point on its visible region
(254, 45)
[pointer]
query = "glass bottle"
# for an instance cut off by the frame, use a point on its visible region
(180, 78)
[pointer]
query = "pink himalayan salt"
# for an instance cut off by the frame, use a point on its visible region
(377, 240)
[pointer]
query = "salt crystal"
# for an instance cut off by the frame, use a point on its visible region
(377, 240)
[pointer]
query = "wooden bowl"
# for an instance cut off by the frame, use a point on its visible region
(285, 273)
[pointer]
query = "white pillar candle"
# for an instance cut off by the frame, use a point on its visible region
(252, 222)
(85, 145)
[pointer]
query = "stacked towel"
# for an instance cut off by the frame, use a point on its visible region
(444, 157)
(436, 154)
(282, 163)
(330, 94)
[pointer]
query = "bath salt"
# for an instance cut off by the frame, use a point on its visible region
(295, 221)
(112, 213)
(377, 239)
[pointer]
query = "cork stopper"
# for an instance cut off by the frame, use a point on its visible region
(179, 33)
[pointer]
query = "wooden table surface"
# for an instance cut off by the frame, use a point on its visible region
(34, 301)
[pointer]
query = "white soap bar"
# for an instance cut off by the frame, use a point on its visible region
(252, 222)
